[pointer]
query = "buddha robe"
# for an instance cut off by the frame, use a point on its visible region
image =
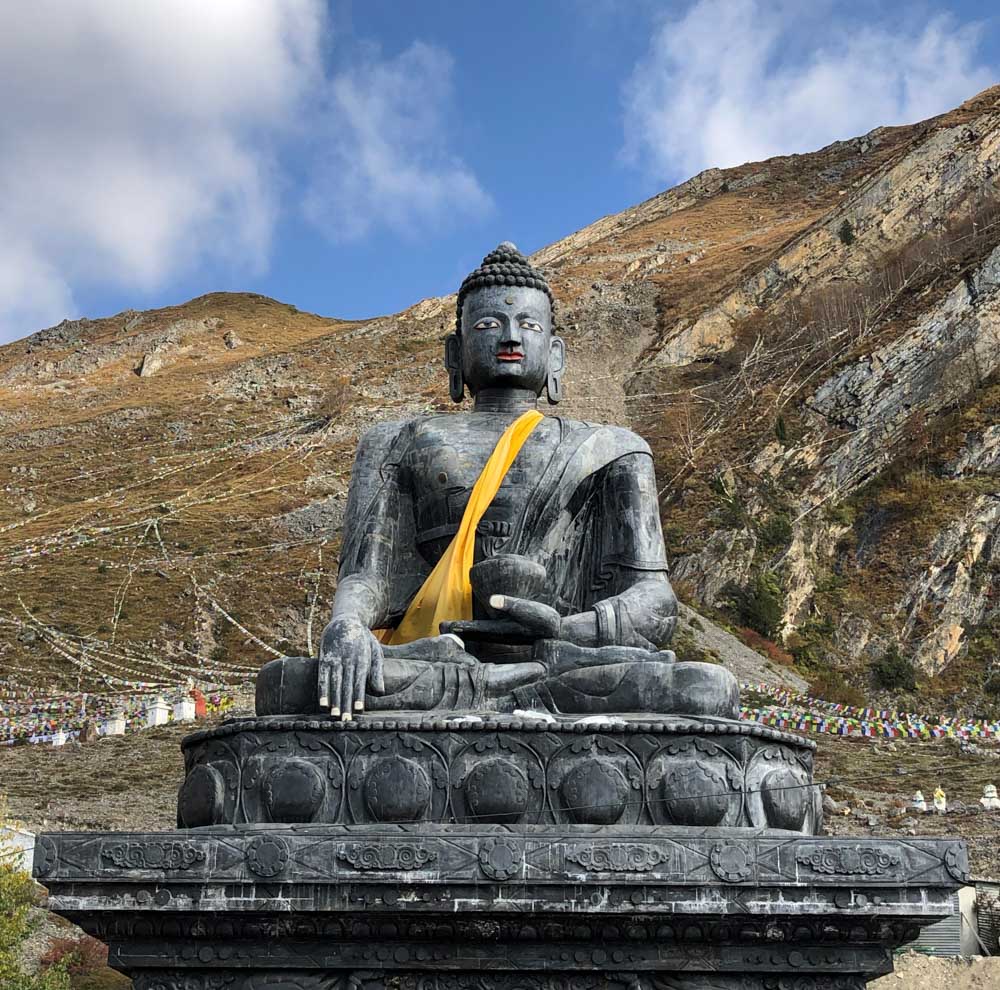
(585, 506)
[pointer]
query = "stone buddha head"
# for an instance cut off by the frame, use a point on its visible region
(504, 332)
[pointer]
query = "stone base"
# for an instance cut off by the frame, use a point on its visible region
(415, 768)
(445, 907)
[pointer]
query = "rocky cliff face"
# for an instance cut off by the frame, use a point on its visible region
(811, 345)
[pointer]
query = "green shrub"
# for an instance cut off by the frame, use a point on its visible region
(775, 533)
(984, 644)
(85, 959)
(846, 233)
(732, 514)
(842, 513)
(17, 897)
(894, 672)
(761, 605)
(811, 644)
(674, 536)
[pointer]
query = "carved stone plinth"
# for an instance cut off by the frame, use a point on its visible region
(502, 770)
(317, 907)
(434, 854)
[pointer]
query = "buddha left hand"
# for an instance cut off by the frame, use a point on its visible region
(521, 620)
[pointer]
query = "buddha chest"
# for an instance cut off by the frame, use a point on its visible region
(443, 463)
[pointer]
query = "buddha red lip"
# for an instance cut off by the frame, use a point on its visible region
(510, 356)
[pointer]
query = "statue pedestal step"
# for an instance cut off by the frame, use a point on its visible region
(537, 907)
(639, 770)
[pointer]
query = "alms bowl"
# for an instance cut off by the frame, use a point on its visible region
(509, 575)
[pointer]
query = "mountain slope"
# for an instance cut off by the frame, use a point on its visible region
(810, 344)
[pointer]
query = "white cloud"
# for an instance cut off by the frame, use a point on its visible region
(143, 140)
(729, 82)
(32, 293)
(136, 140)
(383, 158)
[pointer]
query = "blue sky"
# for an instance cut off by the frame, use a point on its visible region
(354, 157)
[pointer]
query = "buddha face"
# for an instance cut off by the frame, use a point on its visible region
(507, 339)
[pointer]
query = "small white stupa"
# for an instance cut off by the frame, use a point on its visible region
(158, 713)
(115, 726)
(989, 800)
(919, 804)
(184, 710)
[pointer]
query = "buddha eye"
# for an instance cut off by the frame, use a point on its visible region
(531, 325)
(486, 323)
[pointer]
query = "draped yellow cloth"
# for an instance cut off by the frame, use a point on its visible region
(447, 593)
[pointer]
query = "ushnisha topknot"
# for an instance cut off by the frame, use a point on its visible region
(504, 265)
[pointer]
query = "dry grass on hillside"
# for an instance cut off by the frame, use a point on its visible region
(141, 509)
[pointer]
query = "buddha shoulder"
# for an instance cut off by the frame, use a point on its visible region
(377, 442)
(388, 441)
(606, 436)
(385, 441)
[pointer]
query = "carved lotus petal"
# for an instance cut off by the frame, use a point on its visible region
(785, 793)
(595, 793)
(201, 798)
(696, 792)
(397, 790)
(293, 791)
(497, 791)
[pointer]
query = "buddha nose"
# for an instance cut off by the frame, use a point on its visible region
(511, 333)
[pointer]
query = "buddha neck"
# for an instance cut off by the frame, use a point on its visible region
(505, 400)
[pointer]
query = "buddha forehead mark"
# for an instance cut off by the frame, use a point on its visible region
(519, 302)
(504, 269)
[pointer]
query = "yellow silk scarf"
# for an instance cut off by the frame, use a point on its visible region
(447, 593)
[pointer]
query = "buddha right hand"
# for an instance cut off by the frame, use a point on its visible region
(350, 660)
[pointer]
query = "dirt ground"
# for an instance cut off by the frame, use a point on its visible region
(918, 972)
(871, 785)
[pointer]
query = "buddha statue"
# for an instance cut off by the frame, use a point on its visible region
(497, 559)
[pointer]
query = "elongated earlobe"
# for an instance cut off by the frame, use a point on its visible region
(557, 362)
(453, 362)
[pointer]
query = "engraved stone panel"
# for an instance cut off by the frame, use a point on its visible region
(386, 856)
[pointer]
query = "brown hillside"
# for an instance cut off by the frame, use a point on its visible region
(810, 344)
